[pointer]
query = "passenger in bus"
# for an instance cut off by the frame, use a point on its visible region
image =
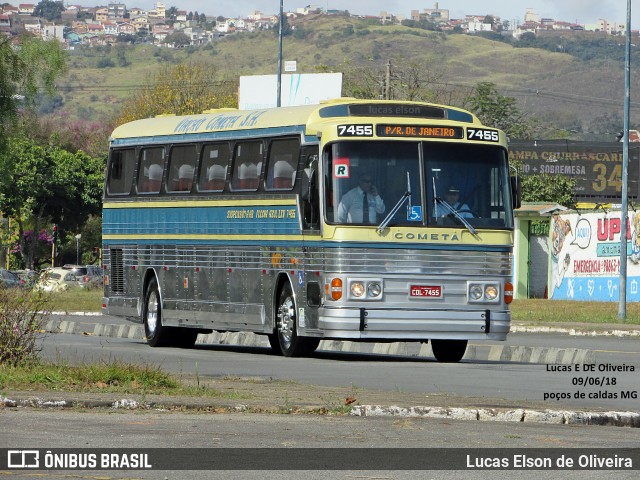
(283, 174)
(361, 204)
(215, 178)
(185, 178)
(452, 197)
(152, 184)
(248, 175)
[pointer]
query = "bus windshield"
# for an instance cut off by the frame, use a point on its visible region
(457, 185)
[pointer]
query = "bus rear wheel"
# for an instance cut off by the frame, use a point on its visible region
(155, 333)
(291, 345)
(448, 351)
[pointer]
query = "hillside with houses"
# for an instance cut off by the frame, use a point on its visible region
(101, 25)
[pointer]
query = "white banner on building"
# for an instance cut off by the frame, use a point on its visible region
(259, 91)
(585, 257)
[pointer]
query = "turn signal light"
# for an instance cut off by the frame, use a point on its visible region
(336, 288)
(508, 293)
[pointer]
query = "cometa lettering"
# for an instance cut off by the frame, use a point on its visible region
(434, 237)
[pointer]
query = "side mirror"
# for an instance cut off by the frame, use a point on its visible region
(516, 192)
(308, 184)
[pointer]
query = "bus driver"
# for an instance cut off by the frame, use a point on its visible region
(362, 203)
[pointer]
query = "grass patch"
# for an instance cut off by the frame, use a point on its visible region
(76, 300)
(113, 377)
(563, 311)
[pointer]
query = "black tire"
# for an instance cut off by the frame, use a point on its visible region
(184, 337)
(155, 333)
(274, 342)
(448, 351)
(291, 345)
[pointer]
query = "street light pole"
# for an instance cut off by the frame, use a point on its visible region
(624, 215)
(279, 82)
(78, 237)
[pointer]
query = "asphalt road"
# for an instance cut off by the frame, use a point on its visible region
(518, 383)
(284, 434)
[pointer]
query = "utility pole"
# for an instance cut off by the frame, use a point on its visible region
(387, 83)
(622, 303)
(279, 82)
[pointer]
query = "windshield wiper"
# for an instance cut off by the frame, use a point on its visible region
(405, 197)
(456, 215)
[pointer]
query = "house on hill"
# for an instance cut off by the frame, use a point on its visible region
(26, 8)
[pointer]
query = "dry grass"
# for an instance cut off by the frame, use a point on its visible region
(565, 311)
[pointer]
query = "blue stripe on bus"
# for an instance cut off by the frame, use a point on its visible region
(268, 220)
(209, 136)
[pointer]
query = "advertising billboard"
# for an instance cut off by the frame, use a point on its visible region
(585, 256)
(260, 91)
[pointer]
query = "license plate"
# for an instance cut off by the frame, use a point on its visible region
(425, 291)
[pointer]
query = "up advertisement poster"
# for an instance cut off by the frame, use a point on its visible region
(585, 256)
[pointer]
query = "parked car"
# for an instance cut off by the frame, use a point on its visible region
(9, 279)
(87, 275)
(56, 280)
(28, 277)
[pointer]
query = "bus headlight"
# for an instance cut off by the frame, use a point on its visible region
(374, 289)
(483, 292)
(475, 292)
(357, 289)
(491, 292)
(367, 289)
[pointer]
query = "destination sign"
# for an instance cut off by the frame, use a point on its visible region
(420, 131)
(395, 110)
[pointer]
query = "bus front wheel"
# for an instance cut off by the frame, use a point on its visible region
(448, 351)
(291, 345)
(155, 333)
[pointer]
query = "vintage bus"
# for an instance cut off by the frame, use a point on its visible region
(258, 221)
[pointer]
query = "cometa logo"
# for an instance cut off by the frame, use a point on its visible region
(428, 237)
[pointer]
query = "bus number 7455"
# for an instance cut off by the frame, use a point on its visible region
(483, 135)
(355, 130)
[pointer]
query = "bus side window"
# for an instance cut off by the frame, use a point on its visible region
(213, 167)
(151, 170)
(121, 169)
(283, 163)
(247, 166)
(182, 164)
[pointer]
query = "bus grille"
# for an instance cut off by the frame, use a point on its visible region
(117, 270)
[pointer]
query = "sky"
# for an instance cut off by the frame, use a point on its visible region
(580, 11)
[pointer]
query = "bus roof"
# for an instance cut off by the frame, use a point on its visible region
(308, 117)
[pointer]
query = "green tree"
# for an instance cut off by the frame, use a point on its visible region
(121, 55)
(171, 13)
(286, 27)
(48, 184)
(182, 89)
(177, 39)
(543, 187)
(496, 110)
(24, 73)
(49, 10)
